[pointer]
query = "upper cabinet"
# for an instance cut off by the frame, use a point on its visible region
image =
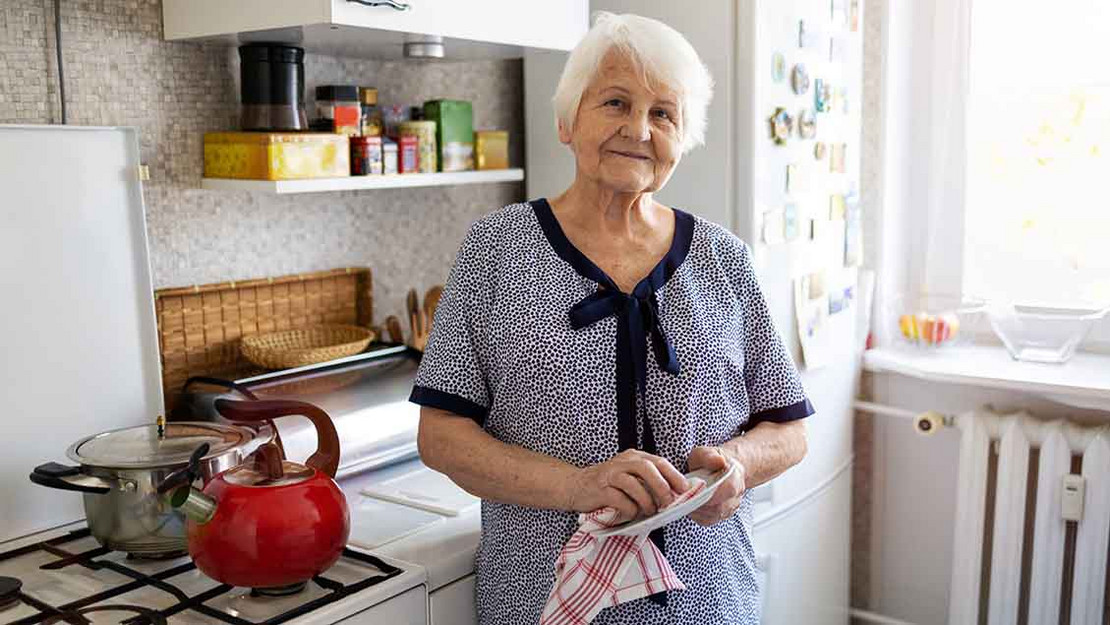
(378, 28)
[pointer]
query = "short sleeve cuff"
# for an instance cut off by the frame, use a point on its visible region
(450, 402)
(783, 414)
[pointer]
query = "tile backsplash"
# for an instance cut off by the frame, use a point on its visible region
(119, 71)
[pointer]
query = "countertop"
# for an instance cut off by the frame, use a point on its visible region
(445, 549)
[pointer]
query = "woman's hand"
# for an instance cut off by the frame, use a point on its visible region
(633, 482)
(726, 499)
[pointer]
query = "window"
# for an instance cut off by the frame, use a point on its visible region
(1037, 211)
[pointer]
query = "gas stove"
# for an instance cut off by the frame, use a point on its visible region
(70, 578)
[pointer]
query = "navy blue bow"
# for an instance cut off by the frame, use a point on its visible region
(637, 320)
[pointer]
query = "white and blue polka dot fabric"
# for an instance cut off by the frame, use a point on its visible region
(534, 342)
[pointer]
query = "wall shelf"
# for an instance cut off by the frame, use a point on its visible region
(1084, 381)
(358, 183)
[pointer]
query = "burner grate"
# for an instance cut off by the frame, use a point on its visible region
(70, 612)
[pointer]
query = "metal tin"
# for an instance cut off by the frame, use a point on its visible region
(425, 133)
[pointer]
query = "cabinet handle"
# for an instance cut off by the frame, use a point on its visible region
(400, 6)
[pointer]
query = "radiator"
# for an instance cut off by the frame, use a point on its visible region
(1016, 556)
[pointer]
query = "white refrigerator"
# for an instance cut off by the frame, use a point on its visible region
(740, 179)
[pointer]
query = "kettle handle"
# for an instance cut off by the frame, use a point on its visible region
(326, 457)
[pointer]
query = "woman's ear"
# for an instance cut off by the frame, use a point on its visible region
(564, 133)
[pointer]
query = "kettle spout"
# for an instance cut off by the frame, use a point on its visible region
(194, 504)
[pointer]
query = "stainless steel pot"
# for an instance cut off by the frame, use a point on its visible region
(120, 472)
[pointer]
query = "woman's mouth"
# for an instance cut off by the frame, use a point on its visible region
(632, 155)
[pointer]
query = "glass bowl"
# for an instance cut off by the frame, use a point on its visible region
(934, 321)
(1042, 334)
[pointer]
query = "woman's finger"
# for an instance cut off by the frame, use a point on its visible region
(631, 486)
(648, 473)
(708, 458)
(625, 507)
(674, 478)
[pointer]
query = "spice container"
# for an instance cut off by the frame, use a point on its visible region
(271, 78)
(389, 156)
(454, 133)
(491, 149)
(338, 110)
(392, 116)
(366, 155)
(408, 158)
(371, 118)
(425, 133)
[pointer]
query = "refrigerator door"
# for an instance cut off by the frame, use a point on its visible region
(77, 324)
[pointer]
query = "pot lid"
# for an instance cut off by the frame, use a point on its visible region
(141, 448)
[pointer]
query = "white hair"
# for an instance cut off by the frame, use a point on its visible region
(664, 56)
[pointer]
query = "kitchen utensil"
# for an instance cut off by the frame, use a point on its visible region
(424, 489)
(1042, 334)
(643, 526)
(393, 326)
(418, 321)
(119, 472)
(268, 523)
(431, 301)
(305, 346)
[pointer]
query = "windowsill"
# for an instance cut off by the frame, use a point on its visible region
(1084, 381)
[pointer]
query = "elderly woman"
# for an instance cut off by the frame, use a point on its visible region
(592, 347)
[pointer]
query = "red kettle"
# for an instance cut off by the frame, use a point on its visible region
(267, 524)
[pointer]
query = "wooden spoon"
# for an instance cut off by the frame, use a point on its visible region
(393, 326)
(431, 300)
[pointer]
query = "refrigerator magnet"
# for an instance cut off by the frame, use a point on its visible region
(819, 150)
(773, 227)
(778, 67)
(781, 125)
(790, 222)
(836, 157)
(792, 179)
(821, 93)
(799, 79)
(807, 124)
(853, 15)
(837, 208)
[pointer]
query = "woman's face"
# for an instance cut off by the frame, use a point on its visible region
(627, 135)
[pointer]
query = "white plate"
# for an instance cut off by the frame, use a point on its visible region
(659, 519)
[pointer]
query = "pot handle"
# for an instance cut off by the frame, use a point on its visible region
(187, 475)
(326, 457)
(64, 477)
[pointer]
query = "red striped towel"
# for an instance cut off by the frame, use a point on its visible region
(595, 573)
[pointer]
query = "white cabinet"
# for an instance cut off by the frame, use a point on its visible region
(472, 29)
(454, 603)
(407, 608)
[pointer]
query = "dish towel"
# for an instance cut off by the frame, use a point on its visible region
(595, 573)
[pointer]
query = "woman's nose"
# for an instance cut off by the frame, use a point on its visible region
(637, 127)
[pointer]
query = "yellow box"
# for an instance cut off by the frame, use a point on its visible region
(276, 156)
(491, 148)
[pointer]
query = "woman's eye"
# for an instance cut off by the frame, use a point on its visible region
(660, 113)
(614, 102)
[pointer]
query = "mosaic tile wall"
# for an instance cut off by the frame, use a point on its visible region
(120, 72)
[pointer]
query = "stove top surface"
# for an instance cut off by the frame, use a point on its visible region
(72, 579)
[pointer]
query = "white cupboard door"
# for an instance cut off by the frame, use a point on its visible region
(552, 25)
(407, 608)
(454, 603)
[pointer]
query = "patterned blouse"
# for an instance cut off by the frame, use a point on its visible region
(534, 342)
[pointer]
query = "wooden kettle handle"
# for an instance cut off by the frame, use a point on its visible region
(326, 457)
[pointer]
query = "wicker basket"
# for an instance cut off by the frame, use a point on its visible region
(305, 346)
